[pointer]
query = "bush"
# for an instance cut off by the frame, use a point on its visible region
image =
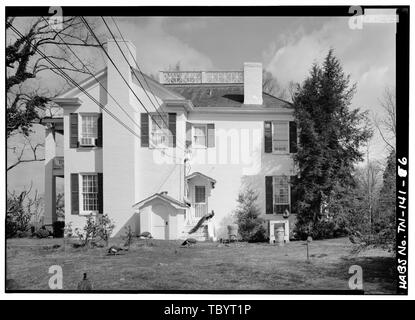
(17, 218)
(250, 226)
(42, 233)
(58, 229)
(23, 234)
(95, 227)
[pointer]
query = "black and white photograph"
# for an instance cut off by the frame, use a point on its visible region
(206, 150)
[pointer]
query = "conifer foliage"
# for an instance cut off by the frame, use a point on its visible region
(331, 134)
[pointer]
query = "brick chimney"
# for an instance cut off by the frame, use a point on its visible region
(252, 83)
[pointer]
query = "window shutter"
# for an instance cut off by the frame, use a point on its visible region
(100, 193)
(172, 128)
(211, 135)
(73, 142)
(98, 142)
(293, 137)
(188, 134)
(293, 195)
(268, 195)
(144, 130)
(74, 193)
(268, 136)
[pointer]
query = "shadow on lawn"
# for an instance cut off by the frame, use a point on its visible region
(378, 272)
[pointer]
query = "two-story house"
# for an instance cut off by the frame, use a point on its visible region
(161, 154)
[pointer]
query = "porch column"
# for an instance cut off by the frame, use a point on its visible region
(50, 180)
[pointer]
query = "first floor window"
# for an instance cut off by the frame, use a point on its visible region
(199, 136)
(280, 136)
(89, 192)
(159, 131)
(281, 190)
(89, 129)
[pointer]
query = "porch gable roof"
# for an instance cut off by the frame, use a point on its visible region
(175, 203)
(198, 174)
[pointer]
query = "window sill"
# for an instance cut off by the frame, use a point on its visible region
(88, 213)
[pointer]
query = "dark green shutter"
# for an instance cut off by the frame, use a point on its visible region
(267, 136)
(144, 130)
(211, 135)
(293, 195)
(172, 128)
(100, 193)
(188, 134)
(268, 195)
(98, 142)
(73, 119)
(293, 137)
(74, 193)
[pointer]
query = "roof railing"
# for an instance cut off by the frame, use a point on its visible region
(200, 77)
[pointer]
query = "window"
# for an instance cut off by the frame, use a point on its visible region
(89, 193)
(281, 190)
(280, 136)
(199, 136)
(159, 131)
(200, 194)
(89, 130)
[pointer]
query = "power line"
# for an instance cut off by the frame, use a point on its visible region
(138, 67)
(113, 63)
(145, 91)
(89, 71)
(68, 78)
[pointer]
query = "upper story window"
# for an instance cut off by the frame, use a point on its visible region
(199, 136)
(159, 132)
(280, 137)
(89, 193)
(89, 130)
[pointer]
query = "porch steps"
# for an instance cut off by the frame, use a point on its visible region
(200, 235)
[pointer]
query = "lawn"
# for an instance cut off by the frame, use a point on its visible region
(164, 265)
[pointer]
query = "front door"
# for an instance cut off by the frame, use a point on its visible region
(200, 205)
(160, 222)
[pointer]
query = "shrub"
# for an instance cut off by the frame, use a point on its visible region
(17, 218)
(95, 227)
(250, 226)
(42, 233)
(58, 229)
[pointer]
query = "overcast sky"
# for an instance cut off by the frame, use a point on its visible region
(287, 47)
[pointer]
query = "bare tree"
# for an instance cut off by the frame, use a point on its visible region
(27, 103)
(271, 86)
(386, 123)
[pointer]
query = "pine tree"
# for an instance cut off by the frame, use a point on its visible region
(250, 225)
(330, 136)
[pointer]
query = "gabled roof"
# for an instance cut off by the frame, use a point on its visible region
(198, 174)
(164, 197)
(223, 95)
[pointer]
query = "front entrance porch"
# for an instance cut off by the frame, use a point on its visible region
(54, 166)
(198, 191)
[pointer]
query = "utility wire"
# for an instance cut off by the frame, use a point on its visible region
(89, 71)
(68, 78)
(138, 68)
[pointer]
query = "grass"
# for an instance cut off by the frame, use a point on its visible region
(164, 265)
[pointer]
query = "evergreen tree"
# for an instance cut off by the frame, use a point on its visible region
(330, 137)
(385, 223)
(250, 226)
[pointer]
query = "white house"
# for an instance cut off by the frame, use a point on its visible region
(196, 139)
